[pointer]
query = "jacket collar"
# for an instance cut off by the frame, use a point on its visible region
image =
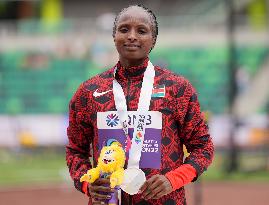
(135, 73)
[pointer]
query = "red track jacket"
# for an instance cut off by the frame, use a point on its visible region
(182, 123)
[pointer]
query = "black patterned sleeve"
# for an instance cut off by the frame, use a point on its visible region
(195, 134)
(79, 134)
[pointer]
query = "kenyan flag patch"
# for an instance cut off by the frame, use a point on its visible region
(158, 91)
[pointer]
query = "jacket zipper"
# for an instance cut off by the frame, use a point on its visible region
(128, 93)
(128, 108)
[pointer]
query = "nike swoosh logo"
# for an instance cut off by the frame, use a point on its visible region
(97, 94)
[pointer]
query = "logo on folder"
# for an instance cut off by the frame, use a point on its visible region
(112, 120)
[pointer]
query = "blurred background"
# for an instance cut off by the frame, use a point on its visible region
(48, 47)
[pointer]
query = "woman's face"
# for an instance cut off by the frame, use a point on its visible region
(133, 37)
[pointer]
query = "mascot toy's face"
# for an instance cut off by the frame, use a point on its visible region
(111, 158)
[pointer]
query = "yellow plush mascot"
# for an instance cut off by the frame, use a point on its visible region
(111, 162)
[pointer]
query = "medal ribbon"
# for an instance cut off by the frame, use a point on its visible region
(142, 110)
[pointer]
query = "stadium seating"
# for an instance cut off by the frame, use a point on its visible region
(29, 89)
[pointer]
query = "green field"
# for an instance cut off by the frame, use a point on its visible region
(41, 166)
(251, 168)
(32, 167)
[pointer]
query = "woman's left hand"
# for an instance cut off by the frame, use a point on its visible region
(156, 187)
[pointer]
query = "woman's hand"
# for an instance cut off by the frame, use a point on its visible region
(156, 187)
(100, 191)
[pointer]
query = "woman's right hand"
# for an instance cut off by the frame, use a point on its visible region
(100, 191)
